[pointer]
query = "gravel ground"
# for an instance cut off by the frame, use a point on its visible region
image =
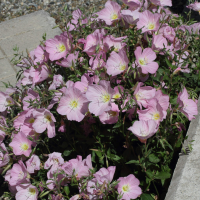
(58, 9)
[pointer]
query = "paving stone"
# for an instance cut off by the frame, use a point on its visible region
(33, 21)
(1, 54)
(8, 74)
(28, 40)
(26, 32)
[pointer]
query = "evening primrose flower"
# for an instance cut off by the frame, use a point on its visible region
(194, 6)
(21, 145)
(110, 13)
(144, 129)
(148, 21)
(117, 63)
(145, 60)
(5, 101)
(26, 192)
(100, 97)
(73, 104)
(44, 119)
(154, 112)
(187, 106)
(129, 187)
(57, 47)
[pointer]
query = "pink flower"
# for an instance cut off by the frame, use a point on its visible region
(129, 187)
(131, 17)
(4, 156)
(110, 13)
(117, 94)
(169, 33)
(73, 104)
(187, 106)
(194, 6)
(55, 159)
(162, 2)
(111, 116)
(148, 21)
(154, 112)
(94, 42)
(133, 4)
(143, 94)
(144, 129)
(115, 42)
(41, 55)
(18, 174)
(57, 47)
(77, 16)
(70, 61)
(83, 84)
(26, 192)
(105, 175)
(163, 99)
(33, 164)
(44, 119)
(117, 63)
(32, 96)
(57, 81)
(35, 75)
(145, 60)
(100, 97)
(75, 197)
(21, 145)
(77, 167)
(5, 101)
(2, 130)
(159, 42)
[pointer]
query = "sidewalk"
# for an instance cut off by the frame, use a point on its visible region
(25, 32)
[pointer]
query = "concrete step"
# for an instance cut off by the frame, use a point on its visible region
(186, 177)
(25, 32)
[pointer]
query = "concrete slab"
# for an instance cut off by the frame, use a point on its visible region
(186, 178)
(26, 33)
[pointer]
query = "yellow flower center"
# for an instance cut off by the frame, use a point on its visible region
(156, 116)
(24, 146)
(138, 97)
(116, 96)
(32, 191)
(31, 120)
(48, 118)
(114, 16)
(9, 101)
(106, 98)
(116, 49)
(61, 48)
(73, 104)
(125, 188)
(142, 62)
(151, 26)
(113, 113)
(122, 67)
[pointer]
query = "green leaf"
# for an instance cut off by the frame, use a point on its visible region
(133, 162)
(67, 191)
(67, 153)
(153, 158)
(162, 175)
(146, 197)
(117, 125)
(149, 174)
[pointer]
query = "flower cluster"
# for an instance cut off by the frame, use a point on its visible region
(113, 78)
